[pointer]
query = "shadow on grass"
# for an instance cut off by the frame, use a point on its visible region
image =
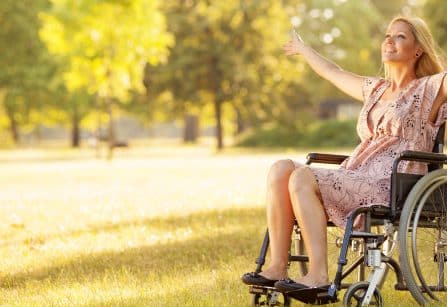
(218, 217)
(163, 260)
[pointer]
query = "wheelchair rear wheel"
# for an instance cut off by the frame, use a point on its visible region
(423, 238)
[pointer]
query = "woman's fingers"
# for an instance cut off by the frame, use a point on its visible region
(290, 48)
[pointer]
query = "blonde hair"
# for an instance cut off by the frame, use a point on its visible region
(431, 60)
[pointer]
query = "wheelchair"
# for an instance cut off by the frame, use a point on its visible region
(414, 223)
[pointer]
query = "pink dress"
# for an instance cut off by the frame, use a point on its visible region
(364, 178)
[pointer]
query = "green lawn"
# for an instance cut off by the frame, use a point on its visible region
(172, 226)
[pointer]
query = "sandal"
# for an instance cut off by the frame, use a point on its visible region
(255, 279)
(309, 295)
(288, 286)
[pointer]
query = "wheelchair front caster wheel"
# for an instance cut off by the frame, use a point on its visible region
(356, 293)
(270, 299)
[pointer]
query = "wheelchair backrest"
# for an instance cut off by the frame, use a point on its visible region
(438, 147)
(402, 183)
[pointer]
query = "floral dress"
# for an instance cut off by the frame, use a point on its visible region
(364, 178)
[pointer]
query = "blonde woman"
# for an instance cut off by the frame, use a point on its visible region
(402, 111)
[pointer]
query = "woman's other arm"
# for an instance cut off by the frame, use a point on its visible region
(440, 99)
(347, 82)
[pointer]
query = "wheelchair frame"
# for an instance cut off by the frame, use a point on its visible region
(375, 247)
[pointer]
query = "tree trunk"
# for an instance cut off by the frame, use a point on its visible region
(219, 127)
(111, 128)
(75, 129)
(216, 79)
(191, 128)
(13, 125)
(240, 124)
(98, 127)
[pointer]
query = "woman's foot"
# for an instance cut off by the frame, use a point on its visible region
(304, 282)
(274, 273)
(266, 278)
(312, 282)
(255, 279)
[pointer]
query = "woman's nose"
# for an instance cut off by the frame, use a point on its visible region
(389, 40)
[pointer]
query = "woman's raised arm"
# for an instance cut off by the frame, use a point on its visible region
(348, 82)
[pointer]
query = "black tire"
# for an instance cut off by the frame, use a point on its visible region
(422, 237)
(356, 293)
(266, 300)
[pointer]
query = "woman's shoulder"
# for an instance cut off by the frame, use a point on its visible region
(372, 82)
(434, 77)
(372, 79)
(370, 86)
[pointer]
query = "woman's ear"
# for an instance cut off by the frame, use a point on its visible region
(419, 52)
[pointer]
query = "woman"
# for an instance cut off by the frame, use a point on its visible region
(402, 111)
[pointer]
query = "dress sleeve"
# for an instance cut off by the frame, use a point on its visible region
(442, 115)
(369, 85)
(432, 90)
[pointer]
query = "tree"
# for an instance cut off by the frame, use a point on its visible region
(26, 66)
(225, 54)
(433, 10)
(107, 44)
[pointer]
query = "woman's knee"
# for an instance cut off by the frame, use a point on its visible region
(280, 172)
(302, 179)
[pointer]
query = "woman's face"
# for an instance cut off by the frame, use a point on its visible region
(399, 45)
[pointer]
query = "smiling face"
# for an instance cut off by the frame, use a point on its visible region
(400, 44)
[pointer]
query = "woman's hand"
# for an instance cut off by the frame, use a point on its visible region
(348, 82)
(293, 45)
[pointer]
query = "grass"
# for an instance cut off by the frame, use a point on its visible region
(171, 226)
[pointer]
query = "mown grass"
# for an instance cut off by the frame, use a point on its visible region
(154, 227)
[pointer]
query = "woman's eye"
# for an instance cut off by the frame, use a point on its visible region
(401, 36)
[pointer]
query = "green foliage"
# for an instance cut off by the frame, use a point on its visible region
(433, 11)
(211, 57)
(27, 68)
(332, 133)
(270, 136)
(328, 133)
(231, 52)
(107, 43)
(226, 52)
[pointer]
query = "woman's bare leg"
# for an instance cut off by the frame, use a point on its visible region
(280, 218)
(312, 219)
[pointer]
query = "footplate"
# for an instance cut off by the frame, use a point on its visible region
(314, 296)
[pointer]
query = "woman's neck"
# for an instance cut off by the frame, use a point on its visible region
(400, 77)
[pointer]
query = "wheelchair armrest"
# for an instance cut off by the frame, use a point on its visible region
(420, 156)
(314, 157)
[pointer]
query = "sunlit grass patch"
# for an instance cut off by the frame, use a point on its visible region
(106, 269)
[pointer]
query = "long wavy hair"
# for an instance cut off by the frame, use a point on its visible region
(432, 59)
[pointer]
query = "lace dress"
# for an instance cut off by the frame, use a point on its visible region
(364, 178)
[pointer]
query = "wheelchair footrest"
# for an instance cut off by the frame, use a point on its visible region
(259, 289)
(366, 235)
(313, 296)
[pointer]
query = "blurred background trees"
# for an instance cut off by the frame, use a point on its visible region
(26, 67)
(107, 45)
(212, 65)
